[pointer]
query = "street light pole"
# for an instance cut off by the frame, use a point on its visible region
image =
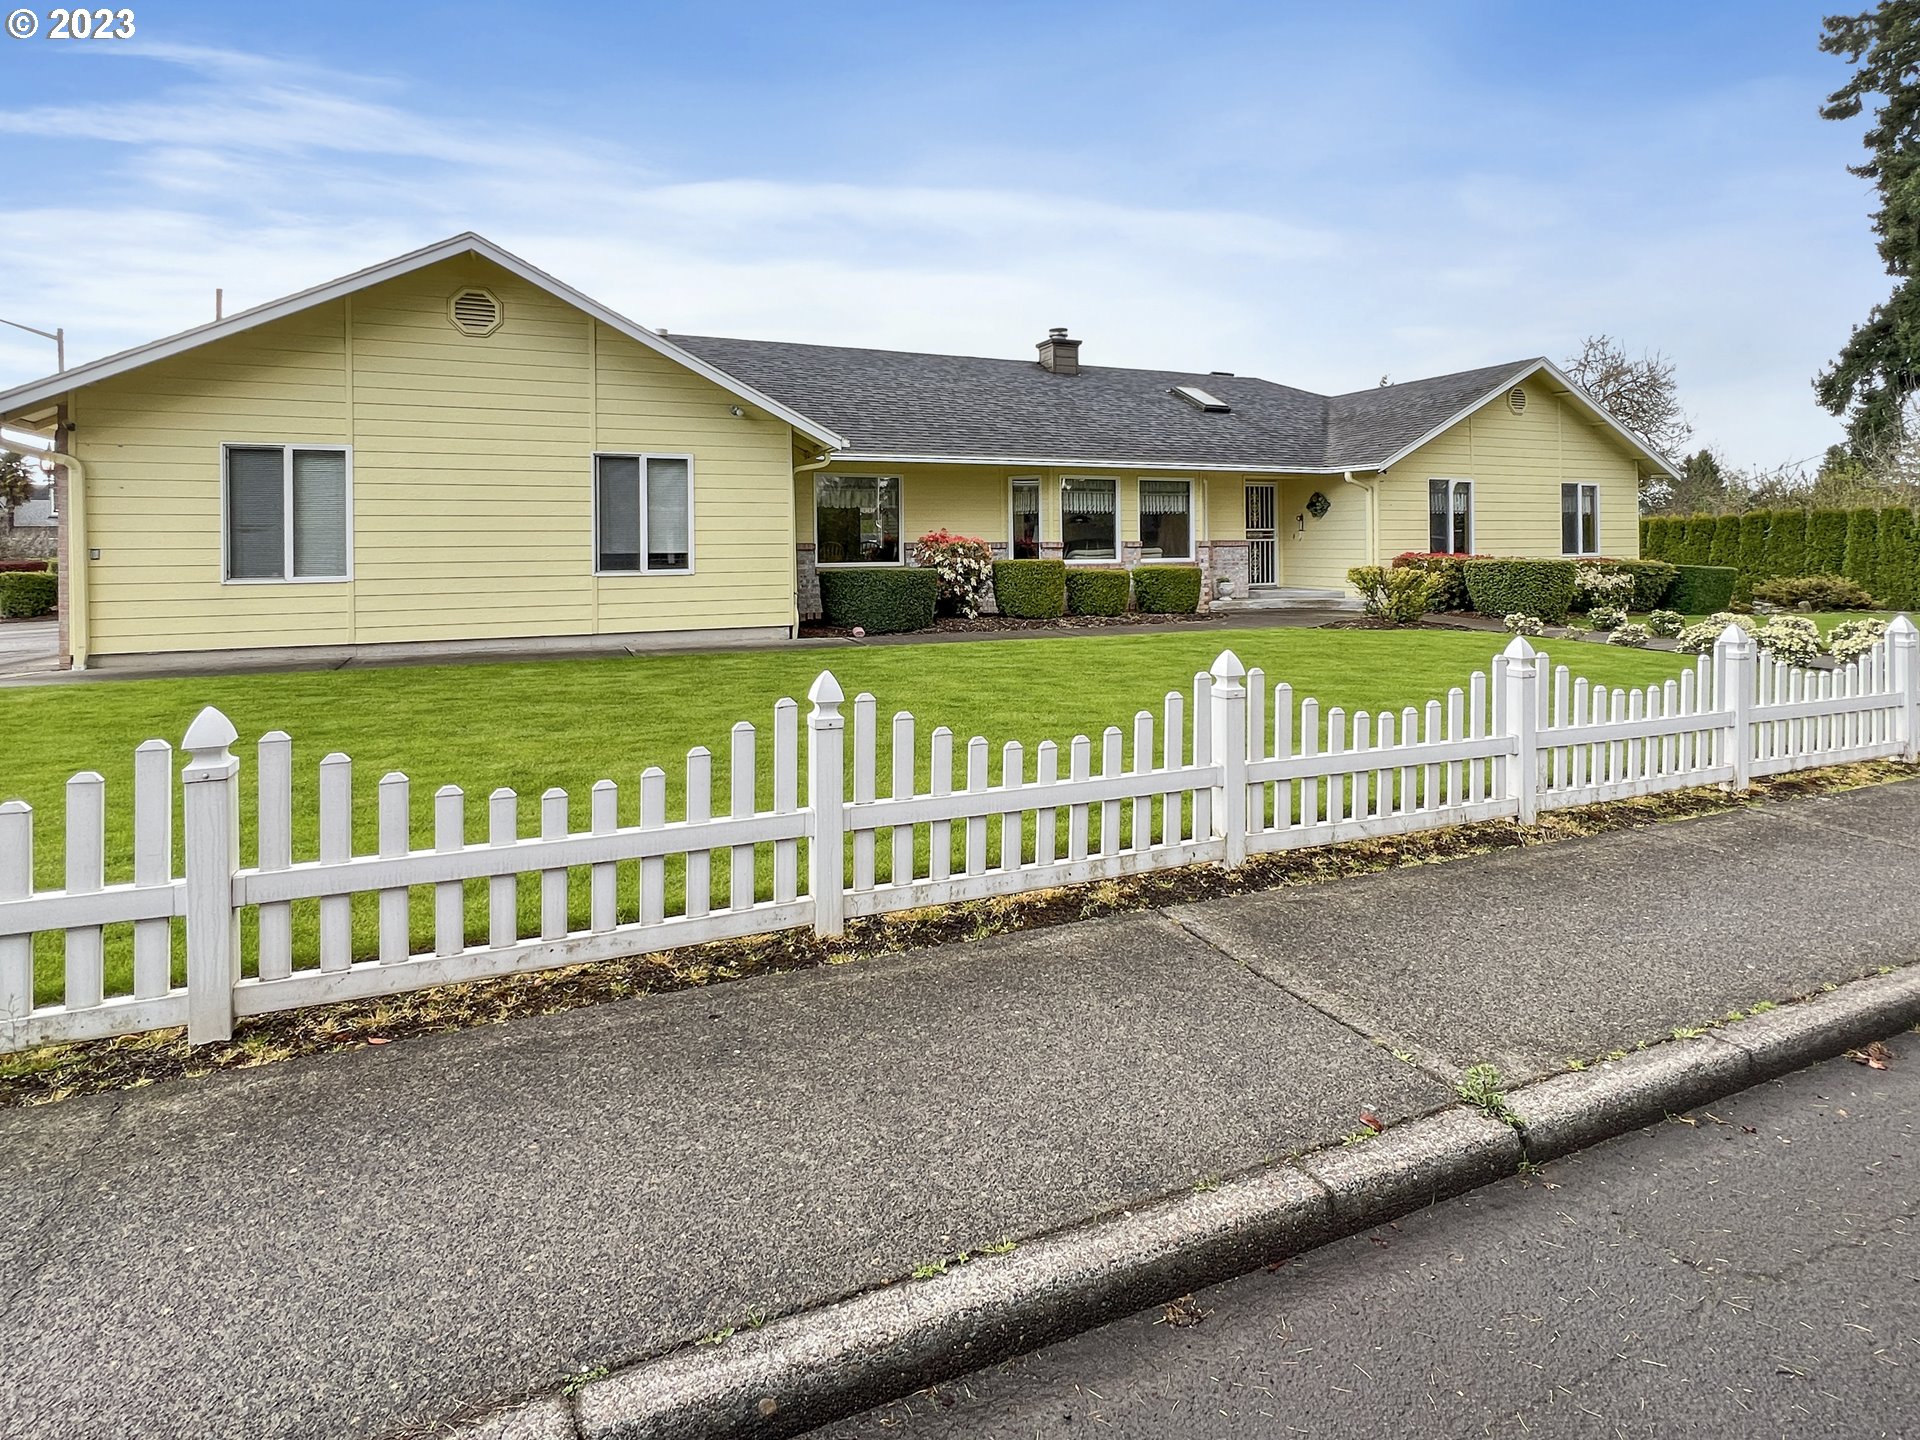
(58, 336)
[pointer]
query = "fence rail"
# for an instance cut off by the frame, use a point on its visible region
(1227, 770)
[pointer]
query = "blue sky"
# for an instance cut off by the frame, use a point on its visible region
(1318, 194)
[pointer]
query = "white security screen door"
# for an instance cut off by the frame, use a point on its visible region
(1262, 559)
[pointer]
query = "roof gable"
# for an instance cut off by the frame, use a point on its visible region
(51, 386)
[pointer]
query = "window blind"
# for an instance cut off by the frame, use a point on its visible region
(319, 514)
(1163, 497)
(256, 514)
(617, 481)
(668, 523)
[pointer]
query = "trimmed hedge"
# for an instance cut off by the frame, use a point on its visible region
(1450, 581)
(1896, 582)
(1166, 589)
(1030, 589)
(1725, 549)
(1862, 563)
(1702, 589)
(25, 593)
(1101, 591)
(1542, 588)
(1826, 542)
(1753, 551)
(1698, 543)
(1651, 578)
(881, 599)
(1787, 543)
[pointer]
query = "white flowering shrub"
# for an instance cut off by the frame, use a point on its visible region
(1520, 624)
(1790, 639)
(1851, 639)
(1698, 638)
(1593, 587)
(1666, 623)
(1633, 634)
(1607, 617)
(964, 567)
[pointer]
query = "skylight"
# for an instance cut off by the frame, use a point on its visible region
(1201, 400)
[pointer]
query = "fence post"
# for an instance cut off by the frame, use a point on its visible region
(826, 806)
(212, 803)
(1904, 636)
(1733, 657)
(1520, 717)
(1229, 733)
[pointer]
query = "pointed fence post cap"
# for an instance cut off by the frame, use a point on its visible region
(211, 732)
(1901, 627)
(1227, 669)
(1519, 648)
(826, 690)
(1734, 637)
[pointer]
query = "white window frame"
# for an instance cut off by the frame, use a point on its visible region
(594, 487)
(1039, 514)
(1473, 512)
(1193, 529)
(1119, 555)
(286, 449)
(1580, 487)
(900, 481)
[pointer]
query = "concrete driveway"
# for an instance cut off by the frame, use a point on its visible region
(28, 647)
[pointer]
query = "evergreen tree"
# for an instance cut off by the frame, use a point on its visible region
(1787, 543)
(1897, 579)
(1725, 541)
(1827, 542)
(1878, 369)
(1863, 547)
(1646, 533)
(1753, 551)
(1699, 539)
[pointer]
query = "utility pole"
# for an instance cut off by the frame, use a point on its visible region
(59, 338)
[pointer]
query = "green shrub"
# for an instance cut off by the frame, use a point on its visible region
(1787, 543)
(1030, 589)
(1646, 534)
(1698, 542)
(1816, 592)
(1725, 549)
(1753, 551)
(1702, 589)
(880, 599)
(1450, 593)
(25, 593)
(1651, 579)
(1100, 590)
(1531, 587)
(1896, 584)
(1851, 639)
(1665, 623)
(1826, 542)
(1659, 536)
(1400, 594)
(1166, 589)
(1607, 617)
(1863, 548)
(1635, 636)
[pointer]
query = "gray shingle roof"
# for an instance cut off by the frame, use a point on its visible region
(895, 402)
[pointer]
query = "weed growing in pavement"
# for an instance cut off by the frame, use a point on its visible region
(1480, 1088)
(1206, 1183)
(1575, 1063)
(1761, 1007)
(1690, 1032)
(939, 1265)
(583, 1378)
(1357, 1136)
(1003, 1247)
(717, 1337)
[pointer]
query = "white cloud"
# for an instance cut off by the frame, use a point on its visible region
(265, 176)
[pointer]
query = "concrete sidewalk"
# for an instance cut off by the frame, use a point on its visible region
(351, 1242)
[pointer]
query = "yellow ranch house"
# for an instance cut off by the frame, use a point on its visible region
(455, 451)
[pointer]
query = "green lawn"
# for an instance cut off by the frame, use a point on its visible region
(569, 723)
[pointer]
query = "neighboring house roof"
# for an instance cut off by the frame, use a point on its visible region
(50, 387)
(894, 404)
(34, 513)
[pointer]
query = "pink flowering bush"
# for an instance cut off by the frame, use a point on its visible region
(964, 567)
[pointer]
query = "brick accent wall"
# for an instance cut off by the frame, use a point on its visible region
(806, 582)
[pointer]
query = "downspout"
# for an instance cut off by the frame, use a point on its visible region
(1371, 491)
(73, 515)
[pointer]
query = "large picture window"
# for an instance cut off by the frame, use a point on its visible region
(1166, 520)
(286, 512)
(856, 519)
(1579, 519)
(1089, 520)
(1450, 517)
(1026, 520)
(642, 514)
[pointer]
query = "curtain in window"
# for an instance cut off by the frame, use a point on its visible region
(1026, 519)
(1590, 519)
(1439, 516)
(617, 480)
(1089, 520)
(1462, 517)
(857, 519)
(1165, 526)
(320, 514)
(669, 525)
(256, 514)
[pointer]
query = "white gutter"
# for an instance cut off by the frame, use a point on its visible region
(1372, 492)
(73, 520)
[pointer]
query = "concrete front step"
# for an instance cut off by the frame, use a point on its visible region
(1275, 597)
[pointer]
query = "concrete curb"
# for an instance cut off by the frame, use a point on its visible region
(817, 1366)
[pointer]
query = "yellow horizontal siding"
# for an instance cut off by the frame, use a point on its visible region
(472, 477)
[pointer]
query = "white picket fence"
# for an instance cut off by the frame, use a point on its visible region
(1215, 784)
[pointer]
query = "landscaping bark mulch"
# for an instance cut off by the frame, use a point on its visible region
(955, 625)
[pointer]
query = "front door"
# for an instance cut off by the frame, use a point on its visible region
(1262, 554)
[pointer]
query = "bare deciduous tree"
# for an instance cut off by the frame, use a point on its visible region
(1640, 393)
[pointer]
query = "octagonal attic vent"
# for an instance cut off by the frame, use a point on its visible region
(474, 312)
(1517, 400)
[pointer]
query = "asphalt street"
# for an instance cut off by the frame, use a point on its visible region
(1749, 1270)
